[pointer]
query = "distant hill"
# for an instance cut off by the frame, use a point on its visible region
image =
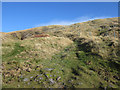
(81, 55)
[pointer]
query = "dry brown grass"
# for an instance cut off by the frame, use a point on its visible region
(46, 46)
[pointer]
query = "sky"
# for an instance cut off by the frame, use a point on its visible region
(24, 15)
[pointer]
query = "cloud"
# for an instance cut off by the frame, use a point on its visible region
(66, 22)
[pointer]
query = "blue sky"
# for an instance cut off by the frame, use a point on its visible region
(24, 15)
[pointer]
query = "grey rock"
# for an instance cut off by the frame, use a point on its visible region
(58, 78)
(18, 85)
(49, 69)
(110, 85)
(80, 83)
(40, 78)
(52, 81)
(21, 76)
(37, 80)
(54, 75)
(25, 79)
(40, 75)
(31, 77)
(28, 83)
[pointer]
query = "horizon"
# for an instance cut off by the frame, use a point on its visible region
(61, 25)
(32, 15)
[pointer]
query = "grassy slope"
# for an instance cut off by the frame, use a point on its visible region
(78, 56)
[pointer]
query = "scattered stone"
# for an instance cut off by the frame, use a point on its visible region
(52, 81)
(25, 79)
(40, 78)
(18, 85)
(28, 83)
(37, 80)
(110, 85)
(21, 76)
(80, 83)
(50, 75)
(40, 75)
(31, 77)
(49, 69)
(58, 78)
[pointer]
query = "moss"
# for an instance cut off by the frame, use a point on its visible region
(17, 49)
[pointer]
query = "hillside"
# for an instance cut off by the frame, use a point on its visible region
(81, 55)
